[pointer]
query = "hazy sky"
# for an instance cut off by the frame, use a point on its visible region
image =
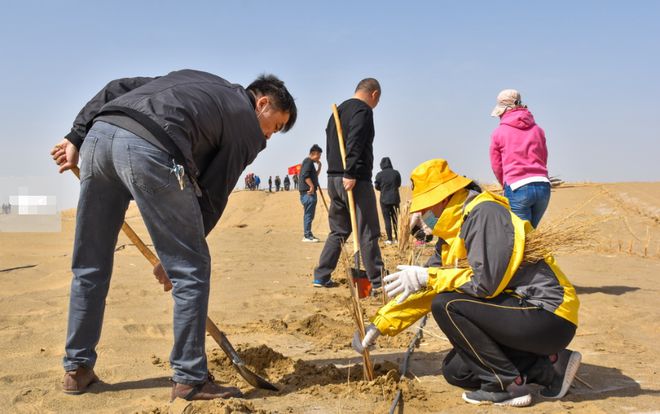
(587, 69)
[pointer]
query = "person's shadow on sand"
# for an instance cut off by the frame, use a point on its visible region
(103, 387)
(608, 290)
(595, 382)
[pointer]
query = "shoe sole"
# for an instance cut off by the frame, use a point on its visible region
(522, 401)
(571, 370)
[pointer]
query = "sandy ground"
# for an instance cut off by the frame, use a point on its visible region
(298, 337)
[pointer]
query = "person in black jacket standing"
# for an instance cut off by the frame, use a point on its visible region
(357, 122)
(309, 184)
(388, 181)
(177, 145)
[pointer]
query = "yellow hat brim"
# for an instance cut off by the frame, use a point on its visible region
(438, 193)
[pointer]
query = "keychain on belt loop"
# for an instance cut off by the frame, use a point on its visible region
(178, 172)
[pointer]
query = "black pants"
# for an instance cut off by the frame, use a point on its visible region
(390, 217)
(340, 228)
(496, 340)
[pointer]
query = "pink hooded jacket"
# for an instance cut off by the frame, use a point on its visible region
(517, 148)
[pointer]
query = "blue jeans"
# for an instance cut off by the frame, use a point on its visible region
(309, 204)
(529, 201)
(119, 166)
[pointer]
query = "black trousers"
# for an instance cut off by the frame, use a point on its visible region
(496, 340)
(391, 218)
(340, 228)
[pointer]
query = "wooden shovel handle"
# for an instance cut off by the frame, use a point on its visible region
(351, 200)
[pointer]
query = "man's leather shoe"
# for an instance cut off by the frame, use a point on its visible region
(78, 380)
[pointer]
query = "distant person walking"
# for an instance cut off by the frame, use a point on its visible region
(278, 183)
(287, 183)
(294, 178)
(357, 124)
(309, 183)
(257, 182)
(388, 181)
(270, 183)
(519, 157)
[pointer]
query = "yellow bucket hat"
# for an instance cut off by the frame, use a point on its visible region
(432, 182)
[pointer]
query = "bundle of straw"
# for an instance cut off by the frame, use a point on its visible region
(561, 236)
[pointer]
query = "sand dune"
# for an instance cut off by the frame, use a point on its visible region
(299, 337)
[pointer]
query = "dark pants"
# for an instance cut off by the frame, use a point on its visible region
(390, 217)
(496, 340)
(340, 228)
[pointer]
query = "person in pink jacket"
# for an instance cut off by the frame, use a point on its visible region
(519, 157)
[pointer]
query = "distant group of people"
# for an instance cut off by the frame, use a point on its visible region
(6, 208)
(282, 185)
(508, 321)
(252, 182)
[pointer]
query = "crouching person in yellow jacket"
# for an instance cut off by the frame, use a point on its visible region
(509, 321)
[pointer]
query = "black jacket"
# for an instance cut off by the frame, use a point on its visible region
(357, 124)
(388, 182)
(211, 122)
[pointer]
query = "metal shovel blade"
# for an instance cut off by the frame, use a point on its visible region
(249, 376)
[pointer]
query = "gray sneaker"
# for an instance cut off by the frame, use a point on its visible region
(566, 367)
(514, 396)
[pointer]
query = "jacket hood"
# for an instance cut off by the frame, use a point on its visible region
(385, 163)
(519, 118)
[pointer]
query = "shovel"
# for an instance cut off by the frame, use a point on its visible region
(360, 279)
(219, 337)
(359, 285)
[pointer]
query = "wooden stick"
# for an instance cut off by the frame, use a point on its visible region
(368, 368)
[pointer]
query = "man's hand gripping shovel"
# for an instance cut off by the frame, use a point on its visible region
(219, 337)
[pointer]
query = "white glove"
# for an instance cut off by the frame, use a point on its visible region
(408, 280)
(372, 333)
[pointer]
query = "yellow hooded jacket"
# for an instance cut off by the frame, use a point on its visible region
(482, 228)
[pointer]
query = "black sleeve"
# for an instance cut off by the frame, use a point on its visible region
(489, 236)
(377, 181)
(356, 140)
(112, 90)
(398, 179)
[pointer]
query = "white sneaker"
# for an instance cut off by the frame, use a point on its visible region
(310, 240)
(388, 242)
(514, 396)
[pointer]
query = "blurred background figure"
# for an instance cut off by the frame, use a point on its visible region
(388, 181)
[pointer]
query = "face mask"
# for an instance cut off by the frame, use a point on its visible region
(430, 219)
(263, 110)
